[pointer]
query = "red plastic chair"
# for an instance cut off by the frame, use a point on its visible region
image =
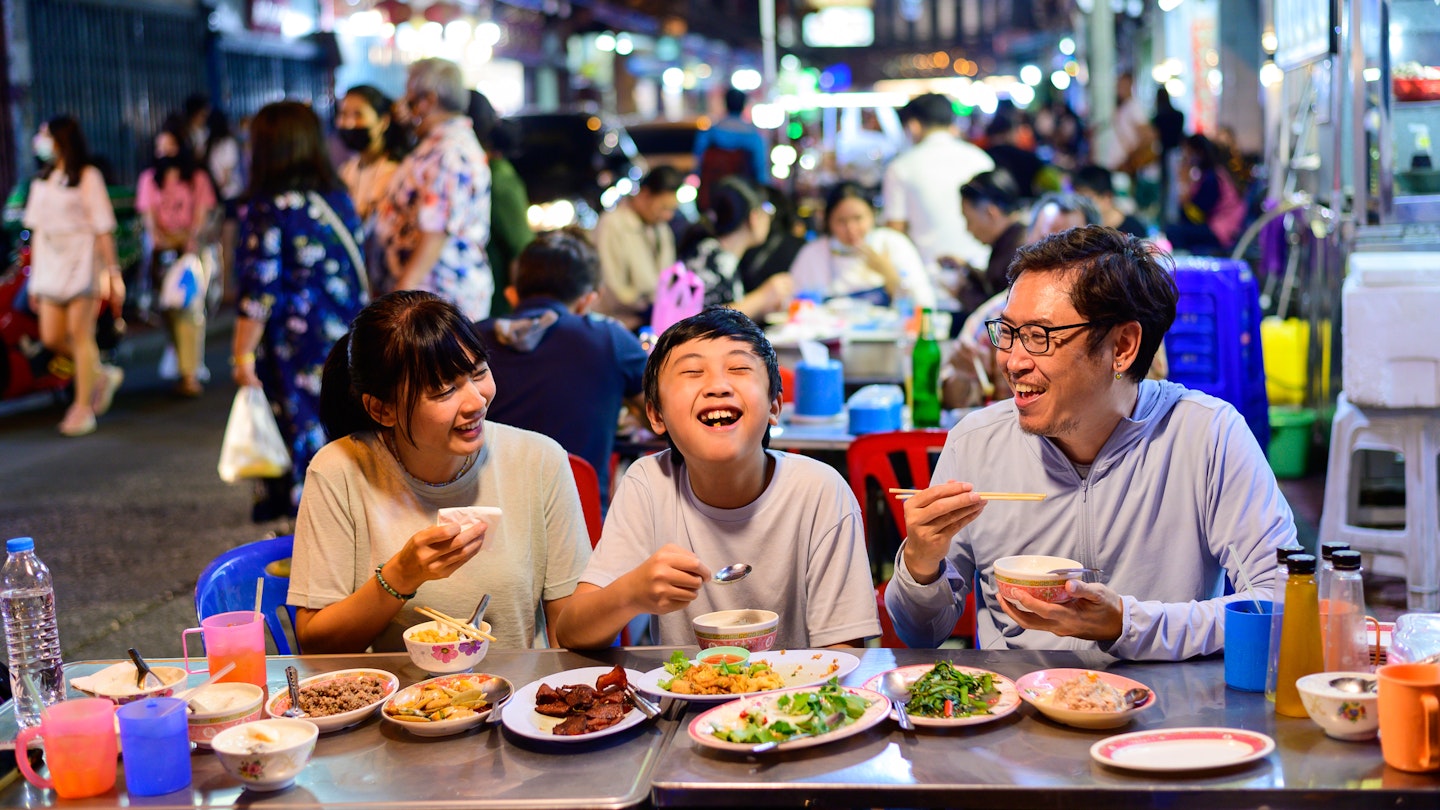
(881, 457)
(587, 481)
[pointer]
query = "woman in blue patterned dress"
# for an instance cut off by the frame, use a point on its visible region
(301, 281)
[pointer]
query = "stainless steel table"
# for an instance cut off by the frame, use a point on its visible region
(1025, 760)
(374, 765)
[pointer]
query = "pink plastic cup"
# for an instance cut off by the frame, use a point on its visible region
(79, 737)
(236, 636)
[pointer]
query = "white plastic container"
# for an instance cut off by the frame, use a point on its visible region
(1390, 336)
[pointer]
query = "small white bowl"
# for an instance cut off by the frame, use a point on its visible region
(266, 754)
(1037, 688)
(755, 630)
(1030, 574)
(225, 705)
(1343, 715)
(280, 701)
(445, 657)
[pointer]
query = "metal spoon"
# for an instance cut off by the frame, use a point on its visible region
(894, 687)
(293, 679)
(1354, 685)
(1067, 571)
(497, 692)
(480, 610)
(731, 573)
(830, 723)
(142, 670)
(1137, 697)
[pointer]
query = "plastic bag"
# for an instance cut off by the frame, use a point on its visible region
(184, 285)
(679, 293)
(253, 447)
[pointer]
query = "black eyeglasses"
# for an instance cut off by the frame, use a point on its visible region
(1034, 337)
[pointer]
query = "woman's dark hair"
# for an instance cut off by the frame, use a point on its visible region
(70, 149)
(395, 141)
(713, 323)
(184, 157)
(287, 152)
(1207, 155)
(996, 187)
(731, 203)
(217, 129)
(840, 192)
(398, 348)
(1162, 100)
(1114, 278)
(559, 264)
(482, 117)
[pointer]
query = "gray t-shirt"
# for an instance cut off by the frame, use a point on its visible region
(803, 535)
(360, 507)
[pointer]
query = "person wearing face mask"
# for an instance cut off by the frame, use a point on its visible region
(73, 265)
(366, 126)
(434, 221)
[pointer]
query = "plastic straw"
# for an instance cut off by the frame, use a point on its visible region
(1244, 577)
(259, 594)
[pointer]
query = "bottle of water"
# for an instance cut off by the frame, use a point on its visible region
(1343, 626)
(27, 601)
(1326, 569)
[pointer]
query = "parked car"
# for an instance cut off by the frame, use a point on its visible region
(575, 165)
(668, 143)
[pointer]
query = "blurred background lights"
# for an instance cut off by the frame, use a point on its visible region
(1175, 88)
(1067, 46)
(624, 45)
(1271, 74)
(767, 116)
(1060, 79)
(1030, 74)
(745, 79)
(673, 78)
(605, 42)
(487, 33)
(783, 155)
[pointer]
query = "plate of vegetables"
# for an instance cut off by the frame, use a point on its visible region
(793, 718)
(944, 695)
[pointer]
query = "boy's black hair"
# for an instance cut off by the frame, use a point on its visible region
(713, 323)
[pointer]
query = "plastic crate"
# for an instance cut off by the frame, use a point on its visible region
(1214, 344)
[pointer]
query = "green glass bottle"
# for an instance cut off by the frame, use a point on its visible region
(925, 375)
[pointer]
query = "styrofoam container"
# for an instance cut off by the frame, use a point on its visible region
(1390, 337)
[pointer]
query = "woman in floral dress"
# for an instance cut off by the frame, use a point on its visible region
(301, 281)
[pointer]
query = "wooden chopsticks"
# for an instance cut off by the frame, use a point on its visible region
(902, 494)
(459, 626)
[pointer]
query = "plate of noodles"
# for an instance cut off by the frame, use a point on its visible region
(1084, 698)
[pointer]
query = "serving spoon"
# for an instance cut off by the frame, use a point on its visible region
(292, 678)
(893, 686)
(1137, 697)
(1355, 685)
(731, 573)
(142, 670)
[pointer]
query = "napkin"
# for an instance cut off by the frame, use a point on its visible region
(116, 680)
(814, 353)
(467, 516)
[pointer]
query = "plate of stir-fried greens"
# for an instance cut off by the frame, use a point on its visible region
(945, 695)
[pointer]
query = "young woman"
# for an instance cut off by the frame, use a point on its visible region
(858, 260)
(175, 198)
(1213, 213)
(301, 282)
(404, 401)
(365, 127)
(73, 265)
(740, 220)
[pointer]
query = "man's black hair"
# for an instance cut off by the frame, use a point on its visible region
(559, 264)
(929, 110)
(996, 187)
(662, 180)
(1094, 179)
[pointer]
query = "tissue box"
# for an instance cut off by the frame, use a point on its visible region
(1390, 337)
(819, 389)
(875, 409)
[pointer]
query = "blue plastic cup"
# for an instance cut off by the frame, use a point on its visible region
(1247, 644)
(155, 746)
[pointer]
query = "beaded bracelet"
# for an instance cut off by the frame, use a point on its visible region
(379, 577)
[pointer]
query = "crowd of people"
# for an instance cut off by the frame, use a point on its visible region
(422, 349)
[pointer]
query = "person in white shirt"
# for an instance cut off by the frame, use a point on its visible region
(859, 260)
(922, 189)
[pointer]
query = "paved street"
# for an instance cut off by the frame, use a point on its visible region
(127, 517)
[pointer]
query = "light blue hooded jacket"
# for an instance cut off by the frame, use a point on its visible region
(1179, 496)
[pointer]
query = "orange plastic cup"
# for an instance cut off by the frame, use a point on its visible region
(1410, 716)
(79, 737)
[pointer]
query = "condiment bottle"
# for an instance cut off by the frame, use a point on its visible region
(1344, 630)
(1282, 556)
(1322, 574)
(1300, 650)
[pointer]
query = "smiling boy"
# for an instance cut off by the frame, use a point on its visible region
(719, 496)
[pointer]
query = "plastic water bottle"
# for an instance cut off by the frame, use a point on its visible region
(1326, 569)
(27, 601)
(1343, 624)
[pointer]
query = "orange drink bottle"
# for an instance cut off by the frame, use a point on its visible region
(1301, 652)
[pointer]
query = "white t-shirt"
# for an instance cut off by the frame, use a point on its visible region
(360, 507)
(922, 189)
(803, 535)
(836, 270)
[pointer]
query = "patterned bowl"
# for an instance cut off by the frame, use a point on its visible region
(117, 683)
(1029, 574)
(1343, 715)
(445, 657)
(755, 630)
(221, 706)
(266, 754)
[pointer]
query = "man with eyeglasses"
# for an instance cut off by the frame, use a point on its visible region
(1162, 488)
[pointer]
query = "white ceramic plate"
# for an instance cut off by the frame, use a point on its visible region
(1035, 689)
(444, 728)
(520, 715)
(1176, 750)
(798, 668)
(1006, 700)
(280, 699)
(701, 727)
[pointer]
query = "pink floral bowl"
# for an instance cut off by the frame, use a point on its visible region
(755, 630)
(266, 754)
(445, 657)
(1343, 714)
(221, 706)
(1029, 574)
